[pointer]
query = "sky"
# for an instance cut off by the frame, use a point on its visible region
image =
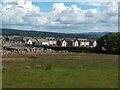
(61, 17)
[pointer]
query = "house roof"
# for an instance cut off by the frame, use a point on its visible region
(33, 40)
(76, 40)
(41, 40)
(69, 38)
(49, 38)
(26, 38)
(69, 41)
(30, 38)
(17, 39)
(82, 39)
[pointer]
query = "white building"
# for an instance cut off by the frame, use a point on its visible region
(64, 43)
(76, 43)
(29, 42)
(52, 41)
(94, 43)
(84, 42)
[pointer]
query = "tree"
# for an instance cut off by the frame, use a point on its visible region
(109, 43)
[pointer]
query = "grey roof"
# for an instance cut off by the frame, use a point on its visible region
(42, 40)
(82, 39)
(33, 40)
(69, 38)
(18, 39)
(30, 38)
(26, 38)
(49, 38)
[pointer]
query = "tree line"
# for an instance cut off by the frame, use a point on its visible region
(12, 32)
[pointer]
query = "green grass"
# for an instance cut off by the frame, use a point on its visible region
(71, 70)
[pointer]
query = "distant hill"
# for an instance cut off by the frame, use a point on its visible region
(11, 32)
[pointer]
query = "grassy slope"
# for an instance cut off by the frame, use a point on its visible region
(61, 70)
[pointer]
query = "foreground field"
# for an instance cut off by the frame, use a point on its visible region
(63, 70)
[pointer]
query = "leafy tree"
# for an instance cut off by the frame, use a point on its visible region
(109, 43)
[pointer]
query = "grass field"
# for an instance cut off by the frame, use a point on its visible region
(60, 70)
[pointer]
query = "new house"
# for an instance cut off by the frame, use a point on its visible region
(64, 42)
(76, 42)
(51, 40)
(31, 41)
(84, 42)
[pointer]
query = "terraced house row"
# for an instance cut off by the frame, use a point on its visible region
(34, 44)
(50, 41)
(76, 42)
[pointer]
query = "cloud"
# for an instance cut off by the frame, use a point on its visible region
(23, 14)
(13, 11)
(113, 8)
(71, 15)
(94, 3)
(59, 7)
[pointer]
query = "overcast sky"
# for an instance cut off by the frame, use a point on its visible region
(64, 17)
